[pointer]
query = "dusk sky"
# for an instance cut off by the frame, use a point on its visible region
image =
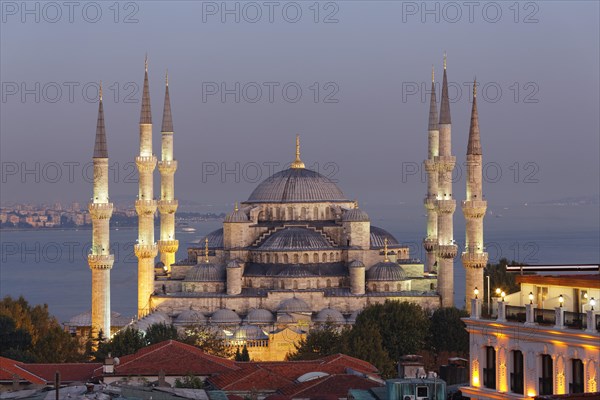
(363, 69)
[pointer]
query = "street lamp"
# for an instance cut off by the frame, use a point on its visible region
(592, 303)
(476, 292)
(561, 300)
(498, 292)
(503, 295)
(530, 297)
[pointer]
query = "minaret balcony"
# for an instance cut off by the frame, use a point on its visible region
(446, 163)
(474, 208)
(98, 261)
(167, 206)
(145, 250)
(430, 244)
(446, 206)
(145, 163)
(167, 167)
(471, 259)
(100, 210)
(447, 250)
(430, 166)
(168, 246)
(145, 207)
(429, 203)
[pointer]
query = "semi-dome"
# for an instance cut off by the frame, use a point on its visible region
(357, 264)
(225, 316)
(296, 185)
(293, 305)
(249, 332)
(215, 239)
(386, 271)
(236, 216)
(295, 271)
(378, 236)
(190, 317)
(355, 215)
(205, 272)
(260, 316)
(330, 315)
(295, 238)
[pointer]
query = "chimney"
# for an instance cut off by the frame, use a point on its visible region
(109, 365)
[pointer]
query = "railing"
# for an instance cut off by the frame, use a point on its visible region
(489, 378)
(575, 320)
(516, 382)
(515, 313)
(545, 317)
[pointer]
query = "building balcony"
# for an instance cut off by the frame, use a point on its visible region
(167, 167)
(145, 163)
(168, 246)
(167, 206)
(145, 250)
(446, 206)
(471, 259)
(97, 261)
(430, 166)
(430, 204)
(447, 250)
(429, 244)
(145, 207)
(100, 210)
(474, 208)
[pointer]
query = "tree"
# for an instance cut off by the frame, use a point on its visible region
(403, 326)
(447, 331)
(124, 342)
(157, 333)
(500, 278)
(189, 381)
(245, 356)
(364, 341)
(208, 340)
(322, 340)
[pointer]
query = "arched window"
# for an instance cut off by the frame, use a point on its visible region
(282, 284)
(276, 258)
(328, 282)
(327, 213)
(386, 288)
(286, 259)
(308, 284)
(296, 285)
(399, 287)
(261, 216)
(249, 282)
(296, 259)
(374, 288)
(330, 256)
(305, 258)
(324, 258)
(290, 216)
(205, 288)
(316, 213)
(432, 286)
(316, 257)
(303, 214)
(341, 282)
(268, 258)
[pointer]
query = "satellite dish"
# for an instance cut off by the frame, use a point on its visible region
(116, 360)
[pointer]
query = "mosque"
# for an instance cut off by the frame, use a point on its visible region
(295, 253)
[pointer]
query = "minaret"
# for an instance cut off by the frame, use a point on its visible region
(474, 258)
(145, 250)
(100, 260)
(430, 241)
(167, 205)
(446, 205)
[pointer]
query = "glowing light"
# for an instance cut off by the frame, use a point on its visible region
(592, 303)
(531, 393)
(476, 291)
(561, 300)
(530, 297)
(498, 291)
(503, 295)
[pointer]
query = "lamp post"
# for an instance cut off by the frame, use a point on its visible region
(561, 300)
(476, 292)
(592, 303)
(530, 297)
(503, 295)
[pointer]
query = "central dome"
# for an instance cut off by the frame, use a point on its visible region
(295, 238)
(296, 185)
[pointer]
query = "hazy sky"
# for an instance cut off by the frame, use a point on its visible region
(363, 69)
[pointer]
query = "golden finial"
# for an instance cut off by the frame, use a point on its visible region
(432, 73)
(235, 208)
(385, 250)
(444, 60)
(297, 162)
(100, 91)
(206, 250)
(167, 77)
(475, 87)
(146, 63)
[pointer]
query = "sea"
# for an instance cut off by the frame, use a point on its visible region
(50, 266)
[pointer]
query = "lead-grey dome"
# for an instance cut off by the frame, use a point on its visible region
(260, 316)
(225, 316)
(378, 236)
(293, 305)
(215, 239)
(296, 185)
(386, 271)
(205, 272)
(236, 216)
(330, 315)
(357, 264)
(296, 238)
(355, 215)
(190, 317)
(295, 271)
(249, 332)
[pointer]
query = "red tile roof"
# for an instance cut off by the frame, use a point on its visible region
(10, 369)
(334, 386)
(172, 357)
(69, 372)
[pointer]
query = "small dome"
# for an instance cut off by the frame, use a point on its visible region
(205, 272)
(234, 264)
(355, 215)
(353, 316)
(260, 316)
(295, 270)
(378, 236)
(156, 317)
(386, 271)
(215, 239)
(296, 238)
(357, 264)
(293, 305)
(249, 332)
(330, 315)
(236, 216)
(286, 319)
(190, 317)
(225, 316)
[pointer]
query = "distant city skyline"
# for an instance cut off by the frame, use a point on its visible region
(363, 69)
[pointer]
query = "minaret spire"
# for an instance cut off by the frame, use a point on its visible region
(474, 145)
(297, 162)
(100, 259)
(146, 113)
(167, 121)
(433, 113)
(445, 105)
